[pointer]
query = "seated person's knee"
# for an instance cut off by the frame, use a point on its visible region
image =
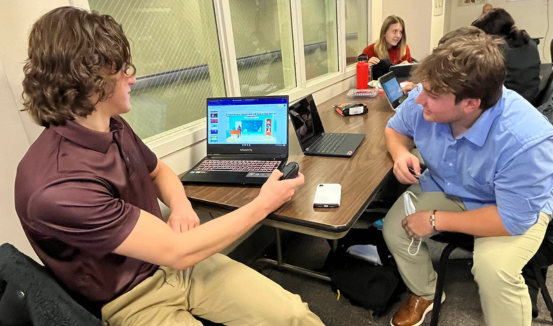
(489, 271)
(295, 314)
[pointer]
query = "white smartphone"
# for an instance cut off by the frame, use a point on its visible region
(327, 195)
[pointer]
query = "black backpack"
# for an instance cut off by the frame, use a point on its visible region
(365, 284)
(380, 69)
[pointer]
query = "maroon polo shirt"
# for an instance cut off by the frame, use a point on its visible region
(78, 194)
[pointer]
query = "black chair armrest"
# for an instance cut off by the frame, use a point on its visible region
(13, 307)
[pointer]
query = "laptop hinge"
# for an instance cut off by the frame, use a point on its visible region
(246, 156)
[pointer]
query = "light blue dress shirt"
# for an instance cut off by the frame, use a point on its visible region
(504, 159)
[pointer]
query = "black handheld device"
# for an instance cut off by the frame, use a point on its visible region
(290, 171)
(423, 168)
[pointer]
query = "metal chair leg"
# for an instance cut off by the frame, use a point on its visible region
(543, 288)
(442, 268)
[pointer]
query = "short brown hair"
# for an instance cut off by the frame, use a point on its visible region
(69, 51)
(461, 31)
(468, 65)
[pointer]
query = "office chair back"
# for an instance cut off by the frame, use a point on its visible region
(544, 101)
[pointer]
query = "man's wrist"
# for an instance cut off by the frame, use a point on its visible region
(260, 206)
(400, 152)
(181, 205)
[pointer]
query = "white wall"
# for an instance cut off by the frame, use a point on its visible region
(13, 146)
(436, 27)
(529, 15)
(375, 20)
(17, 130)
(417, 15)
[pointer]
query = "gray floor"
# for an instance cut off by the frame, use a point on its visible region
(462, 306)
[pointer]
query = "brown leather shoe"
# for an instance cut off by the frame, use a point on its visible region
(412, 311)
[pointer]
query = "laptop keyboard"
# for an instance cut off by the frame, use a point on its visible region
(238, 166)
(328, 143)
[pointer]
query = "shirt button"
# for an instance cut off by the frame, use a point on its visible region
(127, 159)
(448, 184)
(450, 164)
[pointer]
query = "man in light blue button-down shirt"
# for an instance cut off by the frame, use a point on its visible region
(489, 155)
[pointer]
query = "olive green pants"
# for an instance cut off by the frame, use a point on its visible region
(498, 261)
(217, 289)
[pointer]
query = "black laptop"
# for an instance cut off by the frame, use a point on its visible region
(247, 138)
(311, 134)
(402, 72)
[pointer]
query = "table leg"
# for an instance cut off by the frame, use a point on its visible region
(280, 265)
(279, 247)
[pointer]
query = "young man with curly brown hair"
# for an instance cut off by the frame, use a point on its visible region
(86, 193)
(489, 155)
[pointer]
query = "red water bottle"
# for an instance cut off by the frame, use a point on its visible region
(362, 71)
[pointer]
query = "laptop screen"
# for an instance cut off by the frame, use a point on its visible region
(392, 90)
(306, 120)
(247, 124)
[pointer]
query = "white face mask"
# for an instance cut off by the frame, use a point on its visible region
(410, 209)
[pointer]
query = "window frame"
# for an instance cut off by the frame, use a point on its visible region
(195, 131)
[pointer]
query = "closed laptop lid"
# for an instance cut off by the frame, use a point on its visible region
(248, 125)
(402, 70)
(306, 121)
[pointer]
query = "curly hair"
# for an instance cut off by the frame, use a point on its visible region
(468, 65)
(73, 55)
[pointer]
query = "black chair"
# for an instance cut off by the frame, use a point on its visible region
(466, 242)
(30, 296)
(545, 94)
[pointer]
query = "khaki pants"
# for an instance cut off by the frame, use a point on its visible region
(217, 289)
(498, 261)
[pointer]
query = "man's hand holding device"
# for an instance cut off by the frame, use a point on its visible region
(277, 191)
(408, 169)
(290, 171)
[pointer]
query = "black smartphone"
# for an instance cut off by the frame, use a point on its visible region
(423, 168)
(290, 171)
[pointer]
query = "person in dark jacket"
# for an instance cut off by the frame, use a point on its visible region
(522, 59)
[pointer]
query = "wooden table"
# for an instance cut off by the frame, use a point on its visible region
(361, 178)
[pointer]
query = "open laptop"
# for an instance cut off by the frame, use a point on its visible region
(402, 72)
(311, 134)
(392, 90)
(247, 138)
